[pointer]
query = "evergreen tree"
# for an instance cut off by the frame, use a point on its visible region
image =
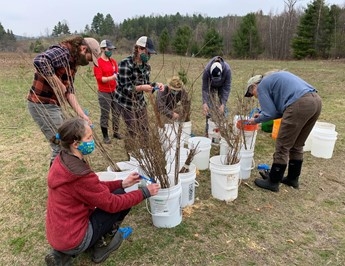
(108, 26)
(314, 32)
(213, 44)
(7, 40)
(164, 41)
(182, 40)
(97, 22)
(60, 29)
(246, 41)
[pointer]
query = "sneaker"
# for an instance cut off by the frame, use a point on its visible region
(106, 140)
(56, 258)
(117, 136)
(102, 250)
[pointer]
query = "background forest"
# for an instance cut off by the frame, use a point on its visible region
(316, 32)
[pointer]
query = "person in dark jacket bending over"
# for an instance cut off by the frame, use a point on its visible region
(168, 99)
(216, 87)
(282, 94)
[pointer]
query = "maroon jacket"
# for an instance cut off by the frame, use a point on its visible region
(74, 191)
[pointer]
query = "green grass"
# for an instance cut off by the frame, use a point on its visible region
(292, 227)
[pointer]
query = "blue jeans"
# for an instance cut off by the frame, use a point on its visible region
(49, 118)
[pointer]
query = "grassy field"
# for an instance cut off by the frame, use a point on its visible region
(292, 227)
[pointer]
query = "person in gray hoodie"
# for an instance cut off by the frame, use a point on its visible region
(216, 87)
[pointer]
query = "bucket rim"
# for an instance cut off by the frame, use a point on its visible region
(243, 124)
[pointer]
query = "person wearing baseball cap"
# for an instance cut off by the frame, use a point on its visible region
(133, 82)
(146, 42)
(282, 94)
(106, 77)
(53, 84)
(216, 87)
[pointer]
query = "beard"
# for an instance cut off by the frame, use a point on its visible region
(82, 61)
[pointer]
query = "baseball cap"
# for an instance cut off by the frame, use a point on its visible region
(94, 48)
(216, 71)
(253, 80)
(107, 44)
(146, 42)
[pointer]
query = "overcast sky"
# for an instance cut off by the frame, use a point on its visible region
(38, 17)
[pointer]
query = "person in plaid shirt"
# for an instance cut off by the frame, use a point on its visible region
(53, 83)
(133, 81)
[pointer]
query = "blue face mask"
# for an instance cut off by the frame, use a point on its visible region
(174, 92)
(86, 147)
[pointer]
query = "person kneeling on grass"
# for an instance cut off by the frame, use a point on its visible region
(83, 212)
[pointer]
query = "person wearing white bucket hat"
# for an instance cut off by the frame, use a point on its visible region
(216, 87)
(53, 83)
(168, 99)
(282, 94)
(84, 213)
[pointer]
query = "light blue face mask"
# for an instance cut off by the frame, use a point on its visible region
(86, 147)
(174, 92)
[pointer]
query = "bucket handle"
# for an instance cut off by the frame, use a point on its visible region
(196, 183)
(252, 166)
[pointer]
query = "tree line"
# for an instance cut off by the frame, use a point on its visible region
(317, 32)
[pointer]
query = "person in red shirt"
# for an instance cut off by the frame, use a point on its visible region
(106, 76)
(82, 210)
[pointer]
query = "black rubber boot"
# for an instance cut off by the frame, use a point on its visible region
(264, 174)
(294, 172)
(106, 139)
(57, 258)
(275, 176)
(102, 250)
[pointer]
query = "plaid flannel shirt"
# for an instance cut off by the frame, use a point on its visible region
(56, 60)
(131, 75)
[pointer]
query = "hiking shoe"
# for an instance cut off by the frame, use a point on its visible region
(102, 250)
(117, 136)
(106, 140)
(56, 258)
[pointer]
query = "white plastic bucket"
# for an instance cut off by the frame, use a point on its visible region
(171, 162)
(127, 167)
(323, 142)
(201, 159)
(213, 132)
(168, 136)
(247, 163)
(249, 138)
(186, 131)
(318, 126)
(321, 127)
(224, 179)
(223, 147)
(165, 207)
(188, 184)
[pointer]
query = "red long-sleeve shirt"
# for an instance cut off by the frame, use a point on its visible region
(106, 69)
(74, 191)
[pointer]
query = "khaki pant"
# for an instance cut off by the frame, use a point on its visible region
(297, 122)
